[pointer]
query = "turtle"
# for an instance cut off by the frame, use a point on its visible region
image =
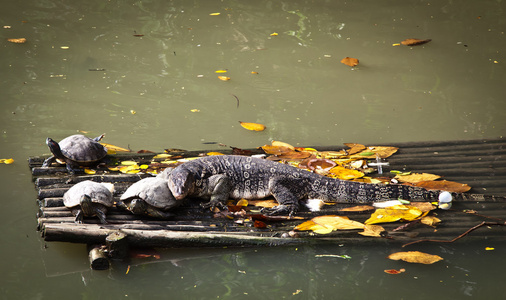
(88, 198)
(150, 196)
(75, 150)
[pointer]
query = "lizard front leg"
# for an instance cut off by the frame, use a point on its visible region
(219, 188)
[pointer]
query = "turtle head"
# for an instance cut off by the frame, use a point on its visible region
(137, 207)
(181, 183)
(86, 205)
(55, 148)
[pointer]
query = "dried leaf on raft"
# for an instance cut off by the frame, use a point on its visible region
(415, 257)
(415, 42)
(372, 230)
(327, 224)
(376, 151)
(394, 213)
(344, 173)
(359, 208)
(444, 185)
(350, 61)
(416, 177)
(263, 203)
(354, 148)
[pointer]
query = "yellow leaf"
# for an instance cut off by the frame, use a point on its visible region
(254, 72)
(489, 248)
(253, 126)
(415, 257)
(396, 44)
(163, 155)
(6, 161)
(274, 34)
(213, 153)
(129, 163)
(114, 148)
(214, 14)
(89, 171)
(394, 214)
(358, 208)
(65, 47)
(343, 173)
(224, 78)
(263, 203)
(430, 221)
(282, 144)
(372, 230)
(242, 202)
(17, 41)
(113, 169)
(321, 229)
(143, 167)
(220, 71)
(337, 222)
(417, 177)
(133, 112)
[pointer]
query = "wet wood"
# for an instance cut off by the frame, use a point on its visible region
(98, 258)
(117, 245)
(481, 164)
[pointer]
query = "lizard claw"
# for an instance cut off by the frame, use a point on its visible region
(213, 204)
(280, 210)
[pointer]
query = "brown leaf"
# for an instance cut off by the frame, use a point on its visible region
(416, 177)
(275, 150)
(372, 230)
(444, 185)
(259, 224)
(430, 221)
(145, 151)
(415, 257)
(415, 42)
(239, 151)
(423, 206)
(395, 272)
(263, 203)
(354, 148)
(350, 61)
(321, 163)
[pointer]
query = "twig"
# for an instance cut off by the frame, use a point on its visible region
(460, 236)
(236, 98)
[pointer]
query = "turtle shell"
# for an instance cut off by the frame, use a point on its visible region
(154, 191)
(100, 193)
(82, 149)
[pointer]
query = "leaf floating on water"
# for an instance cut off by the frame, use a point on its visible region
(274, 34)
(350, 61)
(395, 272)
(220, 71)
(415, 257)
(214, 14)
(213, 153)
(254, 72)
(415, 42)
(372, 230)
(224, 78)
(252, 126)
(17, 41)
(444, 185)
(6, 161)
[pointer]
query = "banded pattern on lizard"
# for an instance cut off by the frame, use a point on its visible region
(222, 177)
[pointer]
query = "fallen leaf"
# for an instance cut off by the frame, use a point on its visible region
(327, 224)
(354, 148)
(394, 214)
(224, 78)
(358, 208)
(214, 14)
(144, 151)
(380, 151)
(415, 257)
(220, 71)
(259, 224)
(89, 171)
(254, 72)
(416, 177)
(320, 163)
(430, 221)
(489, 248)
(242, 202)
(114, 148)
(253, 126)
(372, 230)
(444, 185)
(344, 173)
(415, 42)
(392, 271)
(263, 203)
(17, 41)
(423, 206)
(6, 161)
(213, 153)
(282, 144)
(274, 34)
(349, 61)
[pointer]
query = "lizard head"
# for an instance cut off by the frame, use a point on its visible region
(181, 183)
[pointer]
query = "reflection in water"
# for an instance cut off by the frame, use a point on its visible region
(84, 68)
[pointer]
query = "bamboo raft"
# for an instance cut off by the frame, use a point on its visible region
(478, 163)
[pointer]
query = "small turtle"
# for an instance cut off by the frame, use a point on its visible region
(88, 199)
(150, 196)
(75, 150)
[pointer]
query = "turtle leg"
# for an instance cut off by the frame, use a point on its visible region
(101, 215)
(49, 161)
(79, 217)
